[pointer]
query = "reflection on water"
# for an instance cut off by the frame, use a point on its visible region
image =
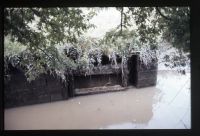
(163, 106)
(171, 107)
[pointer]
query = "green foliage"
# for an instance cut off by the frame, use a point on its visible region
(177, 30)
(51, 25)
(126, 43)
(145, 20)
(118, 41)
(40, 30)
(11, 53)
(34, 37)
(171, 22)
(12, 48)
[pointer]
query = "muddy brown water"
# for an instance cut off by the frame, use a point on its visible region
(85, 112)
(150, 106)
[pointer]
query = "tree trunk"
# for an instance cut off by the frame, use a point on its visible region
(121, 19)
(124, 73)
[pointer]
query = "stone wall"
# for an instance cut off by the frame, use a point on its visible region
(132, 68)
(18, 91)
(146, 75)
(141, 75)
(46, 88)
(104, 75)
(97, 80)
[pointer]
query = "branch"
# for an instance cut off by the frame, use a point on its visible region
(121, 19)
(44, 53)
(37, 13)
(50, 58)
(48, 55)
(167, 18)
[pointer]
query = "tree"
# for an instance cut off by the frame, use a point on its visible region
(41, 30)
(176, 23)
(171, 22)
